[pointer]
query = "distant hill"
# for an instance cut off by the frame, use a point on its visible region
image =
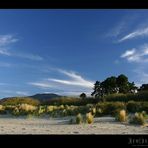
(19, 100)
(35, 99)
(43, 97)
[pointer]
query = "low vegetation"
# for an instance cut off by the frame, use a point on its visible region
(79, 119)
(121, 116)
(115, 96)
(89, 118)
(137, 118)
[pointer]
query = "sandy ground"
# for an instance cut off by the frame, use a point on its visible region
(102, 125)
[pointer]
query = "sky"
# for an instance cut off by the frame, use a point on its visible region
(66, 51)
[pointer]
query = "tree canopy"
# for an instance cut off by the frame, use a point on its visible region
(83, 95)
(113, 85)
(144, 87)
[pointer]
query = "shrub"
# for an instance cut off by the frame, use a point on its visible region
(138, 118)
(134, 106)
(144, 114)
(27, 107)
(140, 96)
(93, 111)
(41, 110)
(99, 112)
(70, 101)
(20, 100)
(2, 109)
(144, 106)
(89, 118)
(113, 108)
(110, 108)
(121, 116)
(16, 112)
(79, 119)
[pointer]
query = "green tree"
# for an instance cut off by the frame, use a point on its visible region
(123, 84)
(83, 96)
(99, 91)
(132, 87)
(144, 87)
(113, 85)
(110, 85)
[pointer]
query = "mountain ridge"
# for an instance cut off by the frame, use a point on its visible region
(38, 96)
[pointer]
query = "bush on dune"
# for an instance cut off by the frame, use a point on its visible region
(89, 118)
(137, 118)
(121, 116)
(79, 119)
(20, 100)
(2, 109)
(110, 108)
(140, 96)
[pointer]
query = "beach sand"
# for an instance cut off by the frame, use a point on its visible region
(102, 125)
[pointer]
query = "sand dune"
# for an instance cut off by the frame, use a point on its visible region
(102, 125)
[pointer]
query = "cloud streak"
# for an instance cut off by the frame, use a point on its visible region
(28, 56)
(139, 55)
(40, 84)
(73, 83)
(76, 80)
(6, 40)
(137, 33)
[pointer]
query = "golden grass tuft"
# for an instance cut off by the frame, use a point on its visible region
(122, 116)
(89, 118)
(27, 107)
(79, 119)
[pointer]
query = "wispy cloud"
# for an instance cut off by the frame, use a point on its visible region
(128, 53)
(72, 83)
(6, 40)
(137, 33)
(12, 93)
(76, 79)
(4, 51)
(40, 84)
(125, 23)
(28, 56)
(22, 93)
(118, 29)
(139, 55)
(141, 76)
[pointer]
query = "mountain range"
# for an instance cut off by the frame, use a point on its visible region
(40, 97)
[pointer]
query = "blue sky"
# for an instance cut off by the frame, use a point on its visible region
(66, 51)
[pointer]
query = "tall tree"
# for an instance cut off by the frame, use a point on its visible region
(123, 84)
(99, 91)
(144, 87)
(112, 85)
(83, 95)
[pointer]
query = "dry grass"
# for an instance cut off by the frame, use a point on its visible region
(27, 107)
(122, 117)
(89, 118)
(79, 119)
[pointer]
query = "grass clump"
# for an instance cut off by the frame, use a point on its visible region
(121, 116)
(89, 118)
(2, 109)
(138, 119)
(79, 119)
